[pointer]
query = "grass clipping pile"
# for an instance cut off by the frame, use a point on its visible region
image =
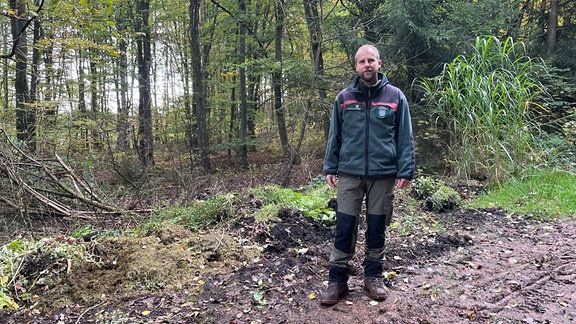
(122, 267)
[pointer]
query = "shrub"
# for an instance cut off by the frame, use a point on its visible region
(436, 195)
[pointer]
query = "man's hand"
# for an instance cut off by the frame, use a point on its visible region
(403, 183)
(332, 180)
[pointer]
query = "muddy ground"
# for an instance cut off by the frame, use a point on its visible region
(483, 266)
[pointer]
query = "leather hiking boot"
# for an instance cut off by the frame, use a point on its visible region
(333, 293)
(374, 288)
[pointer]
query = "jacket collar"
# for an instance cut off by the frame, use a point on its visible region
(357, 85)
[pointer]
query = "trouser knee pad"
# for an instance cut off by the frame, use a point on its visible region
(375, 232)
(345, 232)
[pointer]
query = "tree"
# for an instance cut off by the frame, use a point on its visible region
(242, 76)
(314, 23)
(25, 115)
(277, 80)
(144, 58)
(122, 10)
(552, 28)
(199, 98)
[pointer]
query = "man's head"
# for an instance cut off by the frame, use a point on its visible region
(367, 64)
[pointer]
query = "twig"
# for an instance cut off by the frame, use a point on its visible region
(87, 310)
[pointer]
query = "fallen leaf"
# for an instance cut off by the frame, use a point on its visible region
(302, 251)
(312, 296)
(389, 275)
(146, 313)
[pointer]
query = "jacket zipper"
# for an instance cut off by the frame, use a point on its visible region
(367, 133)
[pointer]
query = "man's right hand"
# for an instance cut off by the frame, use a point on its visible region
(332, 180)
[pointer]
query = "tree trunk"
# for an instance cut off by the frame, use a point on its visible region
(199, 99)
(552, 28)
(25, 116)
(49, 92)
(277, 80)
(232, 125)
(243, 99)
(94, 137)
(122, 126)
(253, 97)
(144, 56)
(313, 20)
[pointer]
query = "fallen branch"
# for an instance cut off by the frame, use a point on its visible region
(49, 186)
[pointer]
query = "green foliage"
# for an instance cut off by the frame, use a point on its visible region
(424, 187)
(25, 266)
(198, 215)
(435, 194)
(484, 100)
(541, 193)
(313, 202)
(443, 199)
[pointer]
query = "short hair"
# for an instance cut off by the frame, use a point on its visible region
(369, 48)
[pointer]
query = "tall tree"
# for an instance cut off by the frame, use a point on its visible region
(314, 23)
(242, 76)
(122, 10)
(144, 58)
(25, 115)
(199, 98)
(277, 80)
(552, 28)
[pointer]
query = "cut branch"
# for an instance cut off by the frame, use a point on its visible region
(49, 186)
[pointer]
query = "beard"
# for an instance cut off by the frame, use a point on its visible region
(369, 77)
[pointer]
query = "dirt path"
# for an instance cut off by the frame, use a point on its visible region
(484, 267)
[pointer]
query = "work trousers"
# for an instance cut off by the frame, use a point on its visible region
(379, 197)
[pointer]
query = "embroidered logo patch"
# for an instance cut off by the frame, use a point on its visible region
(382, 111)
(354, 107)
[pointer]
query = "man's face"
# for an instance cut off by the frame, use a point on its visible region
(367, 66)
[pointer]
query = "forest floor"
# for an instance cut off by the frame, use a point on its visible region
(482, 266)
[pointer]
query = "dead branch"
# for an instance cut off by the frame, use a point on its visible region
(48, 186)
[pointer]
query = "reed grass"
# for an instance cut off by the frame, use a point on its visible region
(484, 102)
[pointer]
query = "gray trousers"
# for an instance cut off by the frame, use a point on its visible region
(379, 198)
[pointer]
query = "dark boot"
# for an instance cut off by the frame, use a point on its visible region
(374, 288)
(333, 293)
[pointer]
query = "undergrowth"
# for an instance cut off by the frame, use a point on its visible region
(312, 202)
(543, 194)
(27, 268)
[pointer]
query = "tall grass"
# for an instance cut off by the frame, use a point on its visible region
(484, 101)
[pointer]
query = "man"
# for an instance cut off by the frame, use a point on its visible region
(370, 149)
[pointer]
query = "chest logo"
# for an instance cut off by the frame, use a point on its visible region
(354, 107)
(382, 111)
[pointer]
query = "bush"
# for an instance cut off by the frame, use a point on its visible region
(434, 194)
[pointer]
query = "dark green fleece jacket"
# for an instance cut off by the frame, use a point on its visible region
(371, 133)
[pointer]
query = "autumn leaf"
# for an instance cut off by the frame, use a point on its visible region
(12, 12)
